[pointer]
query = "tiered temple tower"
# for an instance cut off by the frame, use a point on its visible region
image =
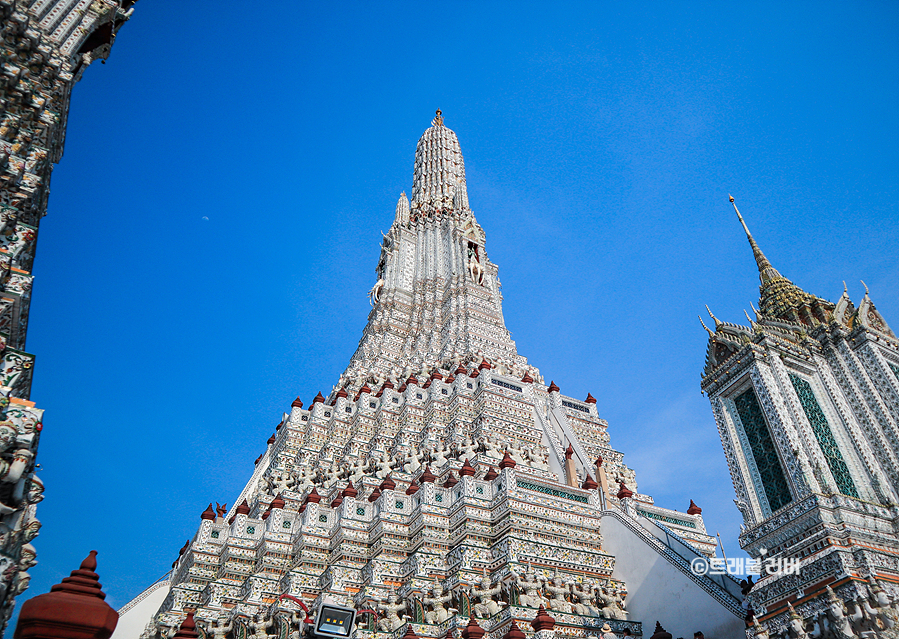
(45, 46)
(441, 480)
(806, 399)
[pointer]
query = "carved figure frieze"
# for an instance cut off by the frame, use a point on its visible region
(487, 595)
(391, 619)
(530, 587)
(437, 602)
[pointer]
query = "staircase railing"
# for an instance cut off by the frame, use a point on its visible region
(720, 594)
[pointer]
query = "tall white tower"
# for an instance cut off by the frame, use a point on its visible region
(442, 483)
(806, 399)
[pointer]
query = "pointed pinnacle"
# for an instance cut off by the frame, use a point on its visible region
(711, 334)
(766, 271)
(865, 285)
(745, 228)
(718, 322)
(747, 317)
(845, 290)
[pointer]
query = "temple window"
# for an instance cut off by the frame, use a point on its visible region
(775, 484)
(824, 435)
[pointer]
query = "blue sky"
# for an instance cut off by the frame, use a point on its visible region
(601, 141)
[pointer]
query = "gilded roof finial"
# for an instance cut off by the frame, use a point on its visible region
(718, 322)
(751, 323)
(438, 119)
(707, 330)
(745, 228)
(766, 271)
(865, 285)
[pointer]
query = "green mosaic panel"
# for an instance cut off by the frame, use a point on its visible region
(286, 524)
(763, 451)
(251, 530)
(824, 435)
(668, 520)
(360, 511)
(214, 534)
(894, 368)
(546, 490)
(418, 610)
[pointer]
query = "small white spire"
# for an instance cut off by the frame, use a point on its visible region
(402, 209)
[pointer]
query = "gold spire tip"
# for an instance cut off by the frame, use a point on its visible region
(740, 217)
(712, 315)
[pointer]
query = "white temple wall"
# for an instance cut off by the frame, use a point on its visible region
(133, 616)
(654, 585)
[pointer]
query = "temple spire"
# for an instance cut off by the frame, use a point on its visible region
(402, 209)
(435, 250)
(439, 174)
(779, 297)
(766, 271)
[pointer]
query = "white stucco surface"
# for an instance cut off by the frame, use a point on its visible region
(654, 584)
(136, 614)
